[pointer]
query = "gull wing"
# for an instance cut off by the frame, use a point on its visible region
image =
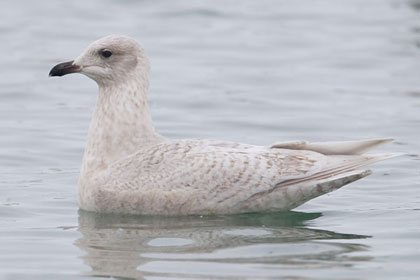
(206, 177)
(194, 177)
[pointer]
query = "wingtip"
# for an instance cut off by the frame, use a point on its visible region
(386, 140)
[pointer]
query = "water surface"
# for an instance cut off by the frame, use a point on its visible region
(249, 71)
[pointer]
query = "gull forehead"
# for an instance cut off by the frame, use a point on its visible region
(118, 43)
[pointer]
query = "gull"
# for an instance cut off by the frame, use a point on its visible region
(129, 168)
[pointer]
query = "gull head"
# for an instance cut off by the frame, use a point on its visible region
(110, 60)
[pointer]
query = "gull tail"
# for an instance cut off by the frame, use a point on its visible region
(339, 171)
(339, 165)
(357, 147)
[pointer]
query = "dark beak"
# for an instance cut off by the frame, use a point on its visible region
(64, 69)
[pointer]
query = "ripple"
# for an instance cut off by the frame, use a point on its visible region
(164, 242)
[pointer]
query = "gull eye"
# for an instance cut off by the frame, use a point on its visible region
(106, 53)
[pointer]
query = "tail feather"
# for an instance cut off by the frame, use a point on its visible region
(357, 147)
(303, 192)
(342, 163)
(338, 165)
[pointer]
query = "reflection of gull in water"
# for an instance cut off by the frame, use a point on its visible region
(129, 168)
(130, 246)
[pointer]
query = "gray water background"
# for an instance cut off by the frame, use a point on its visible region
(248, 71)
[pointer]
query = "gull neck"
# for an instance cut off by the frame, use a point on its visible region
(121, 124)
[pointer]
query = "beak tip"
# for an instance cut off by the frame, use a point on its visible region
(63, 69)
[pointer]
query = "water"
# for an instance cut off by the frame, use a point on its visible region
(249, 71)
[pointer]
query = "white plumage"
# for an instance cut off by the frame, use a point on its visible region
(129, 168)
